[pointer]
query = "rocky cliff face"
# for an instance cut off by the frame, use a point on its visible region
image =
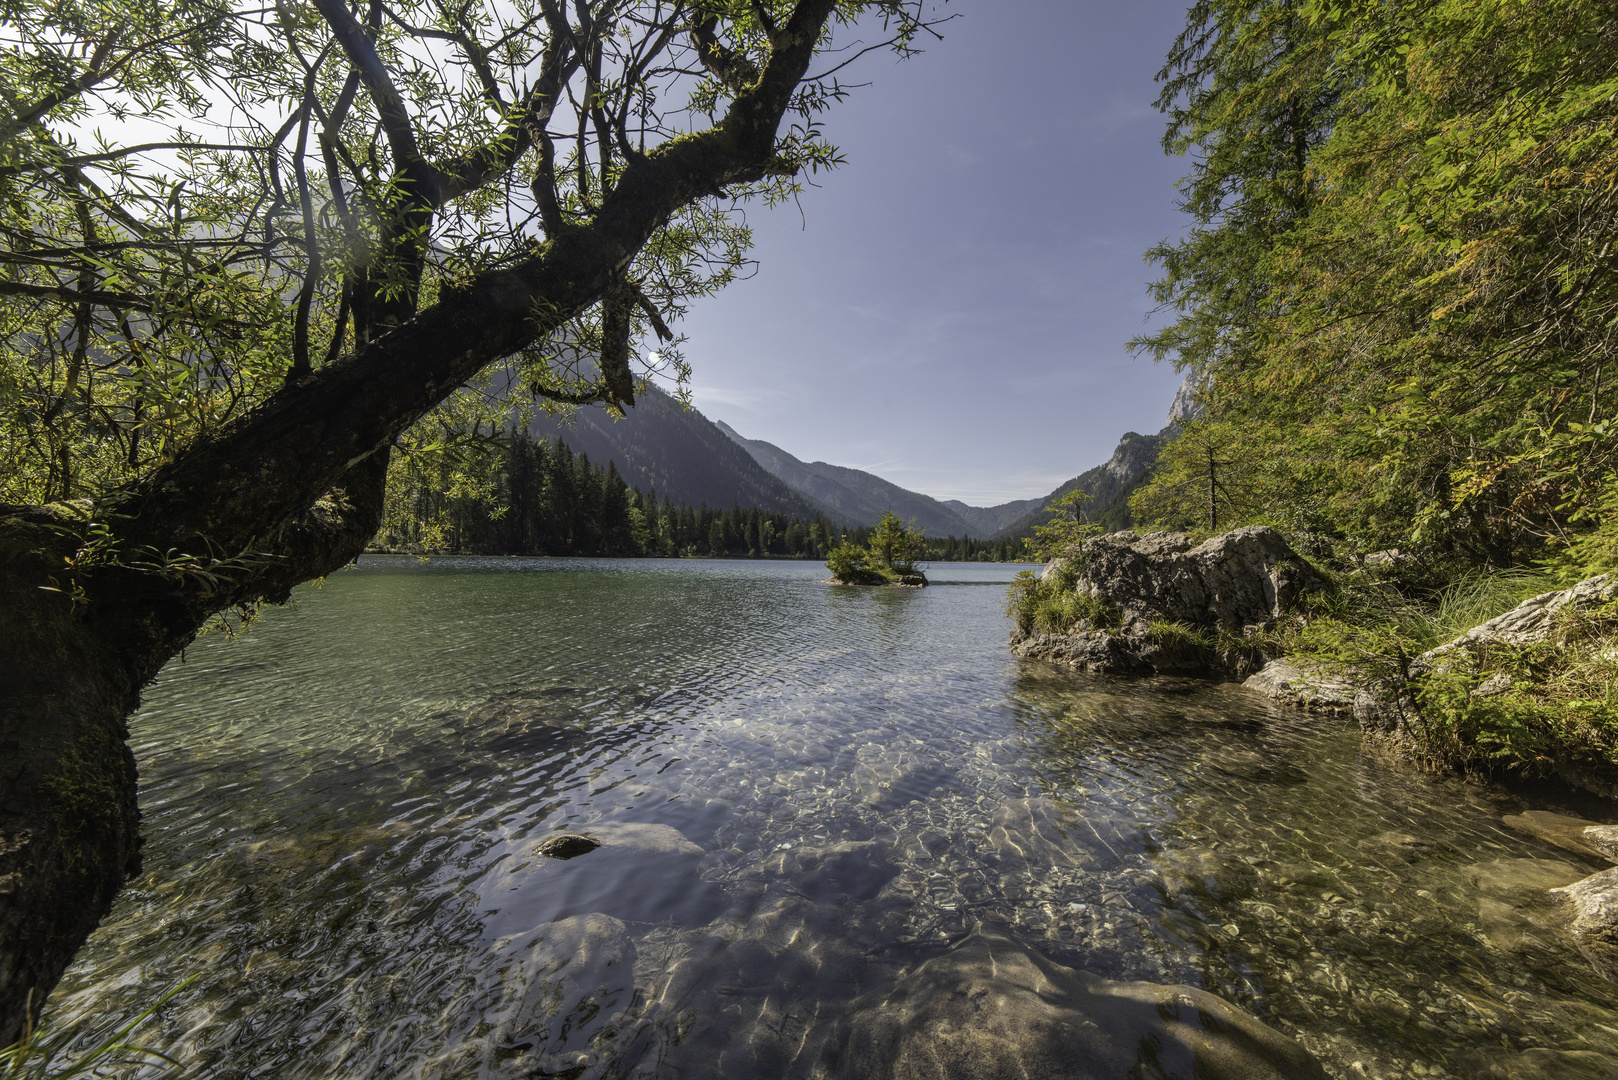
(1167, 605)
(1108, 485)
(1185, 406)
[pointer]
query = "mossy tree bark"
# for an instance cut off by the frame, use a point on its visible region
(287, 493)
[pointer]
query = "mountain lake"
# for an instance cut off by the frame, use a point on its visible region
(803, 791)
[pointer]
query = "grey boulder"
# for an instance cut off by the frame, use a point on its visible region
(1246, 577)
(1593, 911)
(1294, 683)
(1239, 583)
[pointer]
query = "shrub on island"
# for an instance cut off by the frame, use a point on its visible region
(889, 558)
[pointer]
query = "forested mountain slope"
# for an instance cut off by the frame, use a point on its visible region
(853, 496)
(679, 453)
(992, 520)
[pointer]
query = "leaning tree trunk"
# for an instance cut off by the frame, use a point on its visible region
(77, 653)
(68, 819)
(289, 492)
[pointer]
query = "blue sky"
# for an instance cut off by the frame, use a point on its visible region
(950, 309)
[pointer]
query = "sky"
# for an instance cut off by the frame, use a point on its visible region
(949, 310)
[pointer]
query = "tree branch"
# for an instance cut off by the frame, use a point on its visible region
(390, 106)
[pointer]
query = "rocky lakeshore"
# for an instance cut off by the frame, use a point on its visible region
(1160, 604)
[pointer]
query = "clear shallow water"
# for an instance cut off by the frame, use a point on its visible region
(806, 789)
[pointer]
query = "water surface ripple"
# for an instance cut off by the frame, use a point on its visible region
(807, 789)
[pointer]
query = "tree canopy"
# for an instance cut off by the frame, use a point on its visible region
(1397, 294)
(201, 201)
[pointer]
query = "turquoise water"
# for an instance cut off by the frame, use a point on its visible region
(341, 808)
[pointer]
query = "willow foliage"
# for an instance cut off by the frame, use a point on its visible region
(202, 200)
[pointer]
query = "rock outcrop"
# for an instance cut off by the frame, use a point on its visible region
(993, 1009)
(1176, 607)
(1593, 904)
(1529, 623)
(1389, 709)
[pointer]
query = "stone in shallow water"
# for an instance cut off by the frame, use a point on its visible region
(851, 871)
(1207, 873)
(1604, 838)
(755, 997)
(1242, 580)
(1037, 831)
(1516, 910)
(558, 1000)
(566, 845)
(993, 1009)
(1403, 846)
(640, 873)
(1594, 906)
(1294, 683)
(1504, 877)
(891, 782)
(1568, 833)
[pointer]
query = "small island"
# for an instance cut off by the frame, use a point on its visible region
(888, 559)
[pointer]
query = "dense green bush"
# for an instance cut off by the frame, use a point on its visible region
(888, 557)
(850, 563)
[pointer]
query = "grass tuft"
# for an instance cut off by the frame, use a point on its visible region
(42, 1055)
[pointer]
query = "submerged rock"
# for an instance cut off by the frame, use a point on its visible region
(1169, 594)
(1207, 873)
(1516, 910)
(857, 870)
(566, 846)
(993, 1009)
(890, 781)
(1569, 833)
(639, 873)
(1521, 877)
(564, 991)
(1036, 832)
(1593, 906)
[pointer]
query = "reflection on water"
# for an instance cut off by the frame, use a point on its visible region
(802, 790)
